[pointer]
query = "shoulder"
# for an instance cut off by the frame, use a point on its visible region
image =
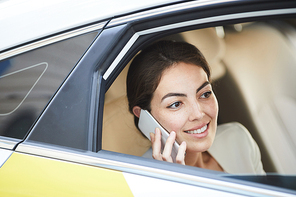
(235, 149)
(234, 131)
(233, 137)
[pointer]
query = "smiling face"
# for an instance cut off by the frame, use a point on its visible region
(185, 103)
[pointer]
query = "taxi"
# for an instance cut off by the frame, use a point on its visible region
(64, 125)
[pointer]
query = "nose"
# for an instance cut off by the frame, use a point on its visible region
(196, 111)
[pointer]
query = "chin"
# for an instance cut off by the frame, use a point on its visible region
(201, 147)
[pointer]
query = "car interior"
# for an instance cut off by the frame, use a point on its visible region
(253, 67)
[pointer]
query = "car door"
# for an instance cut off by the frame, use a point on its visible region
(47, 143)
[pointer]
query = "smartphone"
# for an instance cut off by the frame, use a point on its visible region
(147, 124)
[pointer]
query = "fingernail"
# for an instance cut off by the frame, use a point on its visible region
(156, 130)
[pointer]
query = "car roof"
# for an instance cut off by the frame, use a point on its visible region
(25, 20)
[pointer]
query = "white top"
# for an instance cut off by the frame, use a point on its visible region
(234, 149)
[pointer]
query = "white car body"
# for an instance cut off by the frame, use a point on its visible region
(23, 21)
(32, 38)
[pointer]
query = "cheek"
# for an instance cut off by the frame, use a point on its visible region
(212, 108)
(171, 121)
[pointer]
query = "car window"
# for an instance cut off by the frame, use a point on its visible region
(253, 84)
(29, 80)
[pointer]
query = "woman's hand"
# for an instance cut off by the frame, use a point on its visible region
(166, 154)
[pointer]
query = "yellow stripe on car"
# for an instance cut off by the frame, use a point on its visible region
(27, 175)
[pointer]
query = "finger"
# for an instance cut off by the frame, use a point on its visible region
(156, 145)
(180, 158)
(152, 137)
(167, 151)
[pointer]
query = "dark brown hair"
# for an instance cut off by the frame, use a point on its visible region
(146, 70)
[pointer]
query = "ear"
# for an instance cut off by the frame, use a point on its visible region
(137, 111)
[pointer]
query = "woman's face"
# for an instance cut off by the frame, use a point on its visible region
(185, 103)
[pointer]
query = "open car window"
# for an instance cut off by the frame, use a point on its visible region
(252, 66)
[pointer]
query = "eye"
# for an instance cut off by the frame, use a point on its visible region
(175, 105)
(206, 94)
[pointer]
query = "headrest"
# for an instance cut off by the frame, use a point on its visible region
(211, 46)
(119, 132)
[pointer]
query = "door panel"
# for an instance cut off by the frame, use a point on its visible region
(27, 175)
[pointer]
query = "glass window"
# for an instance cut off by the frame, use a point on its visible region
(28, 81)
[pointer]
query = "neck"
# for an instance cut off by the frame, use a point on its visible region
(196, 159)
(202, 160)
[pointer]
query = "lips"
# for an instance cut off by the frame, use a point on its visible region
(198, 131)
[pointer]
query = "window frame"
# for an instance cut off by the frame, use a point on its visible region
(144, 35)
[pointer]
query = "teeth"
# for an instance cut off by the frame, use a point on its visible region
(201, 130)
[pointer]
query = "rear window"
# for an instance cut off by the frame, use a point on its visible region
(28, 81)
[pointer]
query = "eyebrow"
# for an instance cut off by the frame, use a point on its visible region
(202, 86)
(184, 95)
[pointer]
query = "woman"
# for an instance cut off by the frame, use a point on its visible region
(172, 81)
